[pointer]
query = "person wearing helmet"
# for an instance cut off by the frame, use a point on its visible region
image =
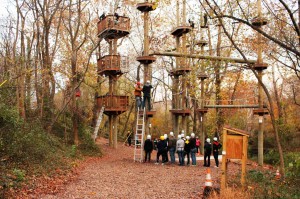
(161, 147)
(172, 147)
(180, 150)
(138, 95)
(216, 146)
(207, 152)
(193, 148)
(187, 149)
(148, 148)
(147, 94)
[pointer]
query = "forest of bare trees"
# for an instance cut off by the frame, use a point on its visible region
(48, 70)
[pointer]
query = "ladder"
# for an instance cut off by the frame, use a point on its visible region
(98, 123)
(139, 136)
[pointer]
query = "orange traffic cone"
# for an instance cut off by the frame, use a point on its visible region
(277, 175)
(208, 181)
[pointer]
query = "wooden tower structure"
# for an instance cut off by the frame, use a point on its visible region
(259, 67)
(112, 27)
(179, 73)
(146, 60)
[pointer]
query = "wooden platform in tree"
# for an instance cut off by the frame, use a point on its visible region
(145, 7)
(259, 21)
(114, 104)
(180, 30)
(182, 112)
(202, 110)
(146, 59)
(261, 111)
(112, 27)
(260, 66)
(109, 65)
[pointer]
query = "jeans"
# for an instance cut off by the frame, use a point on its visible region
(207, 156)
(138, 100)
(147, 156)
(193, 155)
(187, 154)
(181, 157)
(216, 158)
(147, 101)
(172, 154)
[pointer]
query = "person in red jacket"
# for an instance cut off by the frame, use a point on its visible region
(138, 95)
(216, 147)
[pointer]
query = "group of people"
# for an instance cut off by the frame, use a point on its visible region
(185, 147)
(146, 90)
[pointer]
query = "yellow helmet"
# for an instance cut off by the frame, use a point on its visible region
(162, 137)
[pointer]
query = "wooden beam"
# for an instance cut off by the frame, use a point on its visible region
(232, 106)
(214, 58)
(224, 162)
(244, 160)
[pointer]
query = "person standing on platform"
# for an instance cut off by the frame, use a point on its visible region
(138, 95)
(207, 153)
(148, 148)
(147, 95)
(216, 146)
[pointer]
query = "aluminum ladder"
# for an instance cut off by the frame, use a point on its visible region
(139, 136)
(98, 123)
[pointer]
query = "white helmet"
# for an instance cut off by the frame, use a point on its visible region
(182, 135)
(171, 133)
(215, 138)
(192, 135)
(179, 136)
(148, 136)
(187, 137)
(208, 140)
(165, 136)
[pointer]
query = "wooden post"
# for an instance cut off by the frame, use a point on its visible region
(115, 131)
(224, 162)
(244, 160)
(110, 139)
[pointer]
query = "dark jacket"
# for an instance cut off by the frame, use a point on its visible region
(161, 145)
(147, 90)
(187, 146)
(148, 145)
(216, 146)
(207, 148)
(193, 143)
(172, 143)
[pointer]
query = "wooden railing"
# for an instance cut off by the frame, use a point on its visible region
(113, 102)
(112, 22)
(109, 62)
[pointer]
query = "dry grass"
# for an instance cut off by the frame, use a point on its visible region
(230, 193)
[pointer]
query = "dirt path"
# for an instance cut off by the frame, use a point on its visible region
(116, 176)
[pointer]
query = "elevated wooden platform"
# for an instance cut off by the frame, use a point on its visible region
(202, 110)
(114, 104)
(180, 71)
(146, 59)
(109, 65)
(260, 66)
(113, 27)
(202, 76)
(259, 21)
(180, 30)
(261, 111)
(182, 112)
(145, 7)
(201, 43)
